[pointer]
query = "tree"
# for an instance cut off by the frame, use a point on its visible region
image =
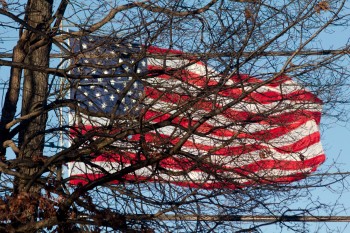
(262, 39)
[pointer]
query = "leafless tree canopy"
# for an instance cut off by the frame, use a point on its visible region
(58, 59)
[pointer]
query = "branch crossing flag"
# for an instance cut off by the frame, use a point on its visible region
(175, 120)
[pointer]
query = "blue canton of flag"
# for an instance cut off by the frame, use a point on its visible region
(106, 76)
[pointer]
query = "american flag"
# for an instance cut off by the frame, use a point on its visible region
(237, 130)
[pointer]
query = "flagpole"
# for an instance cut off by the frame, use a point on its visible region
(60, 116)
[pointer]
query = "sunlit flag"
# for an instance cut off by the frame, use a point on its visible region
(235, 131)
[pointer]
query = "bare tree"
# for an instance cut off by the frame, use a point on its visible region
(160, 110)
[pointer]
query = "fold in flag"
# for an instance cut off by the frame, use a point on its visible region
(175, 120)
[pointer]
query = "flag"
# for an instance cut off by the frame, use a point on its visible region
(234, 131)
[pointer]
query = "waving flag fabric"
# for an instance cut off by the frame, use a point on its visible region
(234, 131)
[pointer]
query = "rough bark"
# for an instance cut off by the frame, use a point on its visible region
(35, 86)
(35, 83)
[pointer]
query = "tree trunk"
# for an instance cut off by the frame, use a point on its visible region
(35, 88)
(31, 137)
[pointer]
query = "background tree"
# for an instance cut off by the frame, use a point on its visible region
(264, 39)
